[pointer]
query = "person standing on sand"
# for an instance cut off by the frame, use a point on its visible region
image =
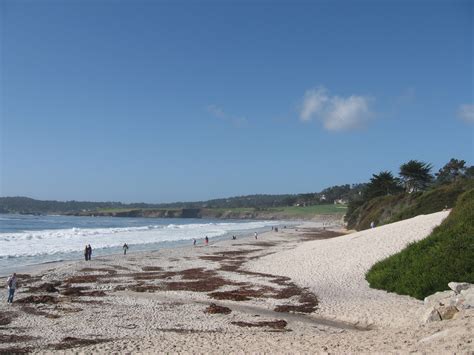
(194, 241)
(256, 235)
(125, 248)
(89, 252)
(86, 252)
(11, 284)
(372, 224)
(206, 240)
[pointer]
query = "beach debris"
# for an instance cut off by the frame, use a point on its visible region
(7, 317)
(49, 287)
(308, 304)
(215, 309)
(73, 291)
(144, 288)
(276, 324)
(152, 268)
(38, 299)
(241, 294)
(13, 338)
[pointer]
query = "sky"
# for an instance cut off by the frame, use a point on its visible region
(162, 101)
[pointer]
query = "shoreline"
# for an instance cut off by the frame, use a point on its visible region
(75, 256)
(225, 297)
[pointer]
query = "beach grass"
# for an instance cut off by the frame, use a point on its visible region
(427, 266)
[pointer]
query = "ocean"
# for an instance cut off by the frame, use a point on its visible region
(27, 240)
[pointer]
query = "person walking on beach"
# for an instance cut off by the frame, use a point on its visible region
(256, 235)
(206, 240)
(125, 248)
(86, 252)
(194, 241)
(372, 224)
(89, 252)
(11, 284)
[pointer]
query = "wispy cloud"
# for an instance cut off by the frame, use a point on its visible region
(337, 113)
(219, 113)
(466, 113)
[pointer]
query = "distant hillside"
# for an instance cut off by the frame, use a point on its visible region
(31, 206)
(27, 205)
(327, 212)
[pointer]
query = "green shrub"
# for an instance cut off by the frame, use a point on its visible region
(428, 265)
(435, 200)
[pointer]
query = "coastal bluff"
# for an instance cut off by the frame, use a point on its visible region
(208, 213)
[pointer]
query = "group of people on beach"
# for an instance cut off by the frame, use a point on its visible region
(88, 252)
(12, 279)
(206, 239)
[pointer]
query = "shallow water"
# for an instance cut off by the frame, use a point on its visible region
(30, 240)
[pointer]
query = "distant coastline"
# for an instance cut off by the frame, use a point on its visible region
(248, 213)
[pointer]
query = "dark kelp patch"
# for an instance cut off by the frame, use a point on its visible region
(38, 299)
(276, 324)
(49, 287)
(152, 268)
(13, 338)
(215, 309)
(7, 317)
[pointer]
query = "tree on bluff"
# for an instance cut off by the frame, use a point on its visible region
(452, 171)
(381, 185)
(416, 175)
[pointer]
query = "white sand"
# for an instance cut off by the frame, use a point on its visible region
(334, 269)
(173, 320)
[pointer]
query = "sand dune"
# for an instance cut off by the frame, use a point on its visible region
(334, 269)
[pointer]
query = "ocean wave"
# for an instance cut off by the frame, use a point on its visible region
(53, 241)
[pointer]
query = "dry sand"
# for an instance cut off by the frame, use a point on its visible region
(292, 291)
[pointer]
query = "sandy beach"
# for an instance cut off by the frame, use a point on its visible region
(301, 290)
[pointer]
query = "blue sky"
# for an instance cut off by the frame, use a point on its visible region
(160, 101)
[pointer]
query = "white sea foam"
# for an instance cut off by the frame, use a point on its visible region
(54, 241)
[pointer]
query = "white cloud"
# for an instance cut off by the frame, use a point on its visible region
(337, 113)
(466, 113)
(347, 113)
(218, 112)
(313, 102)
